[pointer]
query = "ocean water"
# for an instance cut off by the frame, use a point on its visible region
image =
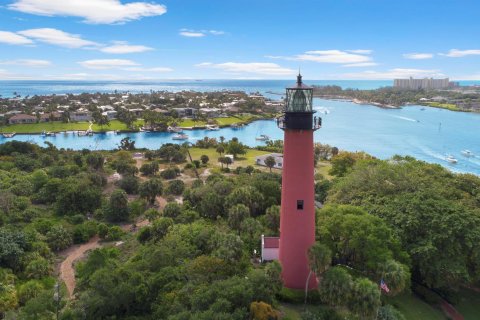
(427, 135)
(268, 87)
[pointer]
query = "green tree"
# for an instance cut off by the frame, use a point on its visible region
(117, 210)
(336, 287)
(172, 210)
(58, 238)
(272, 218)
(176, 187)
(236, 148)
(236, 215)
(127, 144)
(270, 162)
(204, 158)
(151, 189)
(365, 299)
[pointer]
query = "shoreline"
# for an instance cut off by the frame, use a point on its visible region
(202, 127)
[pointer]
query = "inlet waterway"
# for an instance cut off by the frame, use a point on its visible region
(427, 134)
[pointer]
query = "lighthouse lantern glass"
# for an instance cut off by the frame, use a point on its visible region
(299, 100)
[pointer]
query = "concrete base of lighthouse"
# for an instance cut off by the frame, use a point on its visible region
(297, 216)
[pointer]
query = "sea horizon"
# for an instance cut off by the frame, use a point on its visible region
(263, 86)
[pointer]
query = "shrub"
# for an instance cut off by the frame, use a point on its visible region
(169, 173)
(129, 184)
(263, 311)
(388, 312)
(114, 233)
(176, 187)
(172, 210)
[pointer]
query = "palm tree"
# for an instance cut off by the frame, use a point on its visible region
(220, 150)
(319, 260)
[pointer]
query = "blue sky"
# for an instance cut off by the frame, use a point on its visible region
(247, 39)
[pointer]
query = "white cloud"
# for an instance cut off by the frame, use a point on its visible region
(331, 56)
(191, 34)
(123, 47)
(361, 51)
(13, 38)
(107, 63)
(27, 62)
(58, 37)
(361, 64)
(418, 56)
(6, 75)
(199, 33)
(397, 73)
(272, 69)
(455, 53)
(92, 11)
(154, 69)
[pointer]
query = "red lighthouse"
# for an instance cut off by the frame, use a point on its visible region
(297, 215)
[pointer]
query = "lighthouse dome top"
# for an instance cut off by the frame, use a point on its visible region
(299, 97)
(299, 84)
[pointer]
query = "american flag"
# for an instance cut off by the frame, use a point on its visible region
(383, 285)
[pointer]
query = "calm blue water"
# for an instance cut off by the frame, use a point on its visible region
(427, 135)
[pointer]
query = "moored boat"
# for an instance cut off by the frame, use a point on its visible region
(262, 137)
(451, 159)
(174, 129)
(180, 136)
(212, 127)
(467, 153)
(8, 135)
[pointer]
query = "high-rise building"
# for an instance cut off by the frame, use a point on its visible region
(297, 215)
(426, 83)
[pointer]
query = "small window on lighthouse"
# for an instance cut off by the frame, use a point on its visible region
(299, 204)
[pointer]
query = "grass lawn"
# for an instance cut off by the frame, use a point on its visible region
(469, 305)
(60, 126)
(414, 308)
(448, 106)
(220, 121)
(242, 161)
(114, 125)
(323, 167)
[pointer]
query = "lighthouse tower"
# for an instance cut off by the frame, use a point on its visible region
(297, 215)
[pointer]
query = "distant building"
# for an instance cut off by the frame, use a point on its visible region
(81, 115)
(110, 114)
(52, 116)
(185, 112)
(22, 118)
(211, 112)
(270, 247)
(425, 83)
(260, 160)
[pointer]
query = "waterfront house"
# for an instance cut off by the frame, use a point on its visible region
(51, 116)
(211, 112)
(260, 160)
(81, 115)
(22, 118)
(185, 112)
(110, 114)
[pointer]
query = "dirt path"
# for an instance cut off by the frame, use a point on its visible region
(74, 253)
(67, 272)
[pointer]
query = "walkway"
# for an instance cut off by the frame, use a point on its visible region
(74, 253)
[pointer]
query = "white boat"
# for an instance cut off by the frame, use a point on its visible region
(263, 137)
(467, 153)
(451, 159)
(85, 133)
(180, 136)
(48, 134)
(8, 135)
(236, 125)
(174, 129)
(212, 127)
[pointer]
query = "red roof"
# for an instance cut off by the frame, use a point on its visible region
(271, 242)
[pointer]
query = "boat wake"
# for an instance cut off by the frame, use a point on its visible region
(406, 119)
